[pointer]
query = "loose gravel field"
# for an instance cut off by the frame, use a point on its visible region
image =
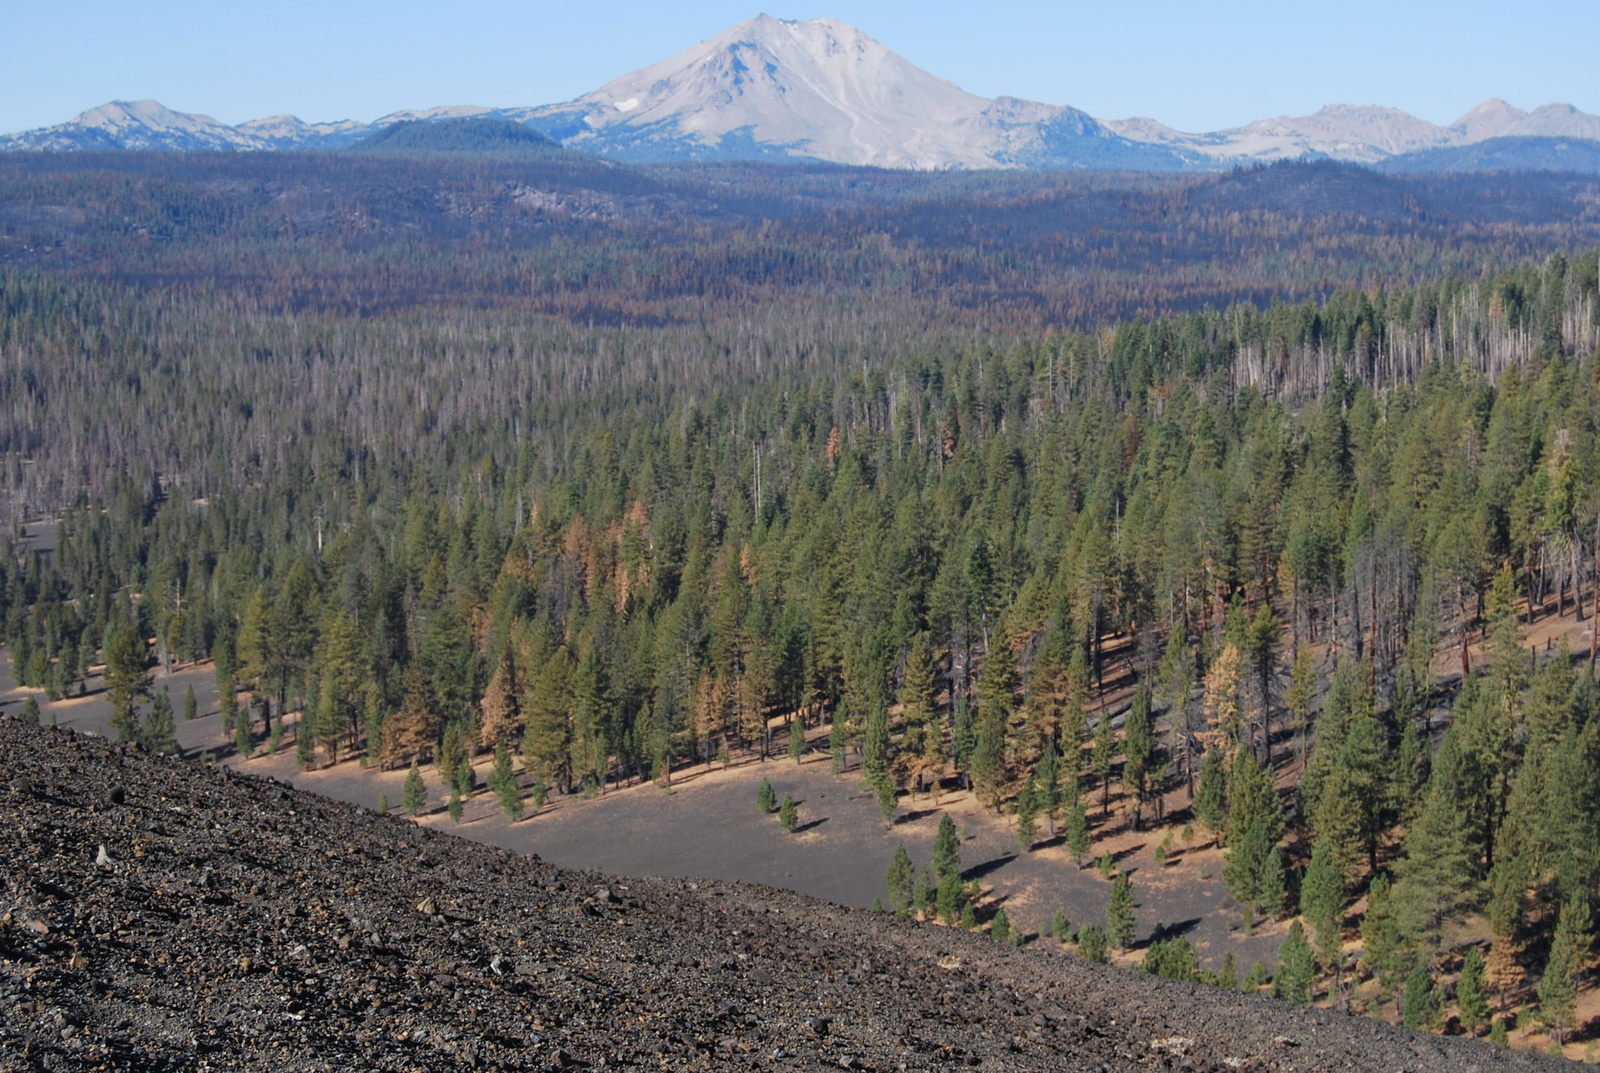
(160, 914)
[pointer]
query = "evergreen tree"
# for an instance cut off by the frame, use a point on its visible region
(1092, 944)
(1418, 1007)
(1000, 927)
(1105, 750)
(797, 740)
(414, 795)
(902, 880)
(1027, 814)
(1434, 881)
(876, 747)
(950, 898)
(1210, 803)
(1048, 782)
(1558, 987)
(837, 741)
(383, 802)
(1322, 898)
(1253, 870)
(963, 738)
(1121, 915)
(1172, 959)
(1302, 691)
(125, 678)
(159, 734)
(1060, 926)
(191, 708)
(946, 849)
(1229, 976)
(1139, 747)
(788, 813)
(1296, 967)
(503, 782)
(243, 743)
(30, 711)
(453, 805)
(1078, 830)
(888, 800)
(766, 796)
(1472, 1001)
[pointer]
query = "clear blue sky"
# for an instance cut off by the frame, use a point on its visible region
(1192, 65)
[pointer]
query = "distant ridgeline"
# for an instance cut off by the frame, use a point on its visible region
(461, 137)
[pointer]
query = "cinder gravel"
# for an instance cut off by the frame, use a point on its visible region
(162, 915)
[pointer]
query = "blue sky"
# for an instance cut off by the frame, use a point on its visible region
(1191, 65)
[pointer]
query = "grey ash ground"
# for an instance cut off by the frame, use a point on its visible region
(235, 923)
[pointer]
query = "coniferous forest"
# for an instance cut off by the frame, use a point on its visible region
(1242, 494)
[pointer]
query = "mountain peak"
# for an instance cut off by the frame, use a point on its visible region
(805, 88)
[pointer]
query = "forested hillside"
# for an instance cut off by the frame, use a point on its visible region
(1280, 556)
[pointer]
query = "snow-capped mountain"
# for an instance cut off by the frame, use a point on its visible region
(818, 89)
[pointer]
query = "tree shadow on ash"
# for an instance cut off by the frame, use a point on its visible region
(1163, 932)
(804, 827)
(921, 814)
(978, 871)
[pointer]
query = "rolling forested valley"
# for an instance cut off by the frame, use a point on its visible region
(1259, 508)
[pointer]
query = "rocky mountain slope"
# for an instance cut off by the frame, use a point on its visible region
(158, 914)
(818, 89)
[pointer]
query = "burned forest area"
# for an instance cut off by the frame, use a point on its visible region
(1012, 620)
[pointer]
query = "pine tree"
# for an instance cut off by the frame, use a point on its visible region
(453, 805)
(243, 743)
(30, 711)
(1558, 987)
(788, 813)
(1472, 1002)
(191, 707)
(1092, 944)
(1322, 897)
(1060, 926)
(1027, 814)
(159, 734)
(1105, 750)
(414, 795)
(837, 741)
(383, 802)
(876, 748)
(1138, 746)
(125, 678)
(766, 796)
(228, 702)
(501, 708)
(1418, 1008)
(946, 849)
(1210, 803)
(503, 782)
(888, 800)
(797, 740)
(1229, 976)
(1078, 830)
(1048, 782)
(1434, 881)
(1253, 870)
(1296, 968)
(1302, 691)
(1000, 927)
(902, 880)
(1121, 915)
(950, 898)
(997, 683)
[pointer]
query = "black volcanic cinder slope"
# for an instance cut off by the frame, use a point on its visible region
(164, 915)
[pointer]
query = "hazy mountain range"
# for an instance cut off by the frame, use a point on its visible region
(820, 90)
